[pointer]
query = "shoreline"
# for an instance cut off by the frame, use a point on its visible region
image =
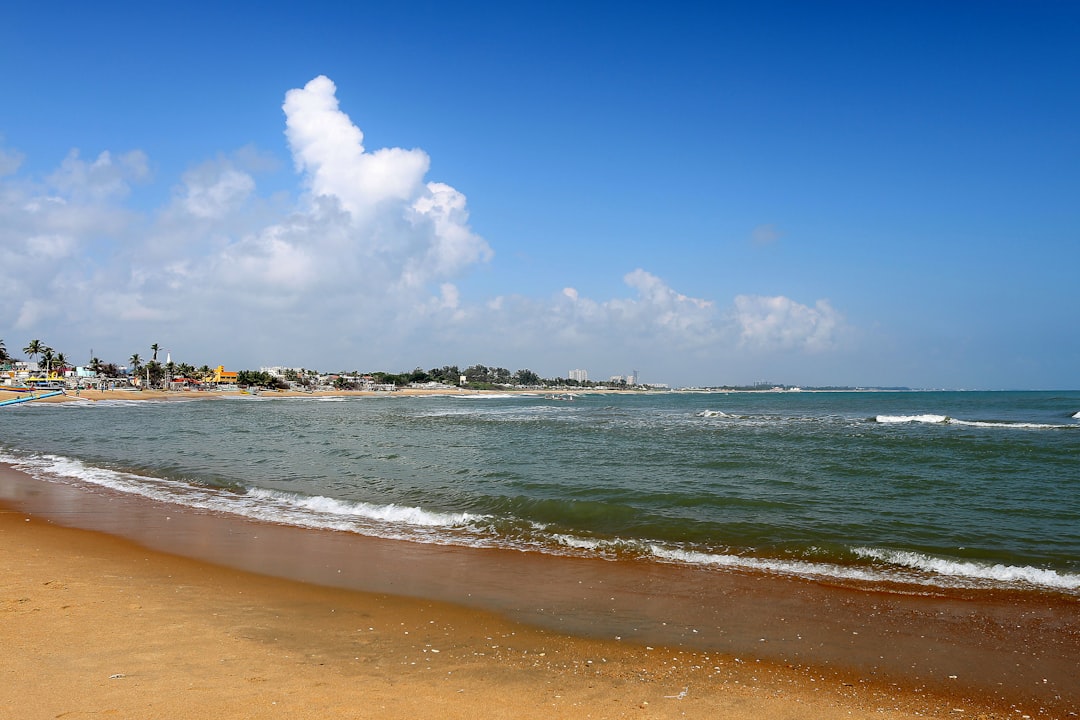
(861, 644)
(88, 395)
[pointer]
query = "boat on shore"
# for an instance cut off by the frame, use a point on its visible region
(31, 396)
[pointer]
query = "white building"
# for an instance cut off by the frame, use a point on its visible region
(579, 375)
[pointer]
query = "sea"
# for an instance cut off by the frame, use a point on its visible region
(968, 490)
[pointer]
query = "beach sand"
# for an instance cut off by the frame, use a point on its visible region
(94, 625)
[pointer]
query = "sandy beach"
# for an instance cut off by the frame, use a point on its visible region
(95, 625)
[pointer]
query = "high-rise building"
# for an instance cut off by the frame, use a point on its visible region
(579, 375)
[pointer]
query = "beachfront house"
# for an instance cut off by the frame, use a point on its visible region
(221, 376)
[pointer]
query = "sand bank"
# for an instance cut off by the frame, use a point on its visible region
(95, 623)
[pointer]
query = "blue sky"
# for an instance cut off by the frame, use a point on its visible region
(861, 193)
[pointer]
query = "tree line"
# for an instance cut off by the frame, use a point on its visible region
(155, 372)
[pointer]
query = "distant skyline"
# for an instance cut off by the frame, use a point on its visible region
(834, 193)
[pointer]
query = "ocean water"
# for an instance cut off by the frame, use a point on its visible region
(938, 489)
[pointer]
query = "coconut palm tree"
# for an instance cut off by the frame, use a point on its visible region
(61, 362)
(33, 349)
(136, 363)
(4, 357)
(49, 358)
(155, 347)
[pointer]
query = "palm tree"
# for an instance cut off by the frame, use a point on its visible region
(61, 362)
(136, 363)
(155, 347)
(48, 358)
(4, 357)
(95, 365)
(33, 349)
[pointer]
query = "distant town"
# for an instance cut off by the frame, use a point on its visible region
(47, 368)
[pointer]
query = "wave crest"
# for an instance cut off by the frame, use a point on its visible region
(969, 570)
(933, 419)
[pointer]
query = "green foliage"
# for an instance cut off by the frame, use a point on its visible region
(526, 377)
(447, 374)
(256, 378)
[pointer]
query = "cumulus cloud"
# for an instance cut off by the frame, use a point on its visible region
(653, 320)
(104, 177)
(329, 149)
(369, 227)
(211, 192)
(779, 323)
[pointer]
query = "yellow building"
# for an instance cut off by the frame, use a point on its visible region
(221, 376)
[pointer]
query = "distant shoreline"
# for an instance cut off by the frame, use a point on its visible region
(90, 395)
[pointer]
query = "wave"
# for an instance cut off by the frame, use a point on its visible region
(714, 414)
(996, 573)
(805, 569)
(417, 524)
(933, 419)
(900, 567)
(947, 420)
(1010, 425)
(1076, 415)
(255, 503)
(390, 513)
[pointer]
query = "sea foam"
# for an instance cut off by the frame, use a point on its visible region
(948, 420)
(933, 419)
(390, 513)
(255, 503)
(972, 571)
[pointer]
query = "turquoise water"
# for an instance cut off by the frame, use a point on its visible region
(943, 489)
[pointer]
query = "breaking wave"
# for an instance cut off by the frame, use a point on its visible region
(972, 572)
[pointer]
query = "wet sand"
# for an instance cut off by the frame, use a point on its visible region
(220, 625)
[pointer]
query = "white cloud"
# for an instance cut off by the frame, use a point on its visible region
(105, 177)
(655, 321)
(211, 191)
(329, 149)
(779, 323)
